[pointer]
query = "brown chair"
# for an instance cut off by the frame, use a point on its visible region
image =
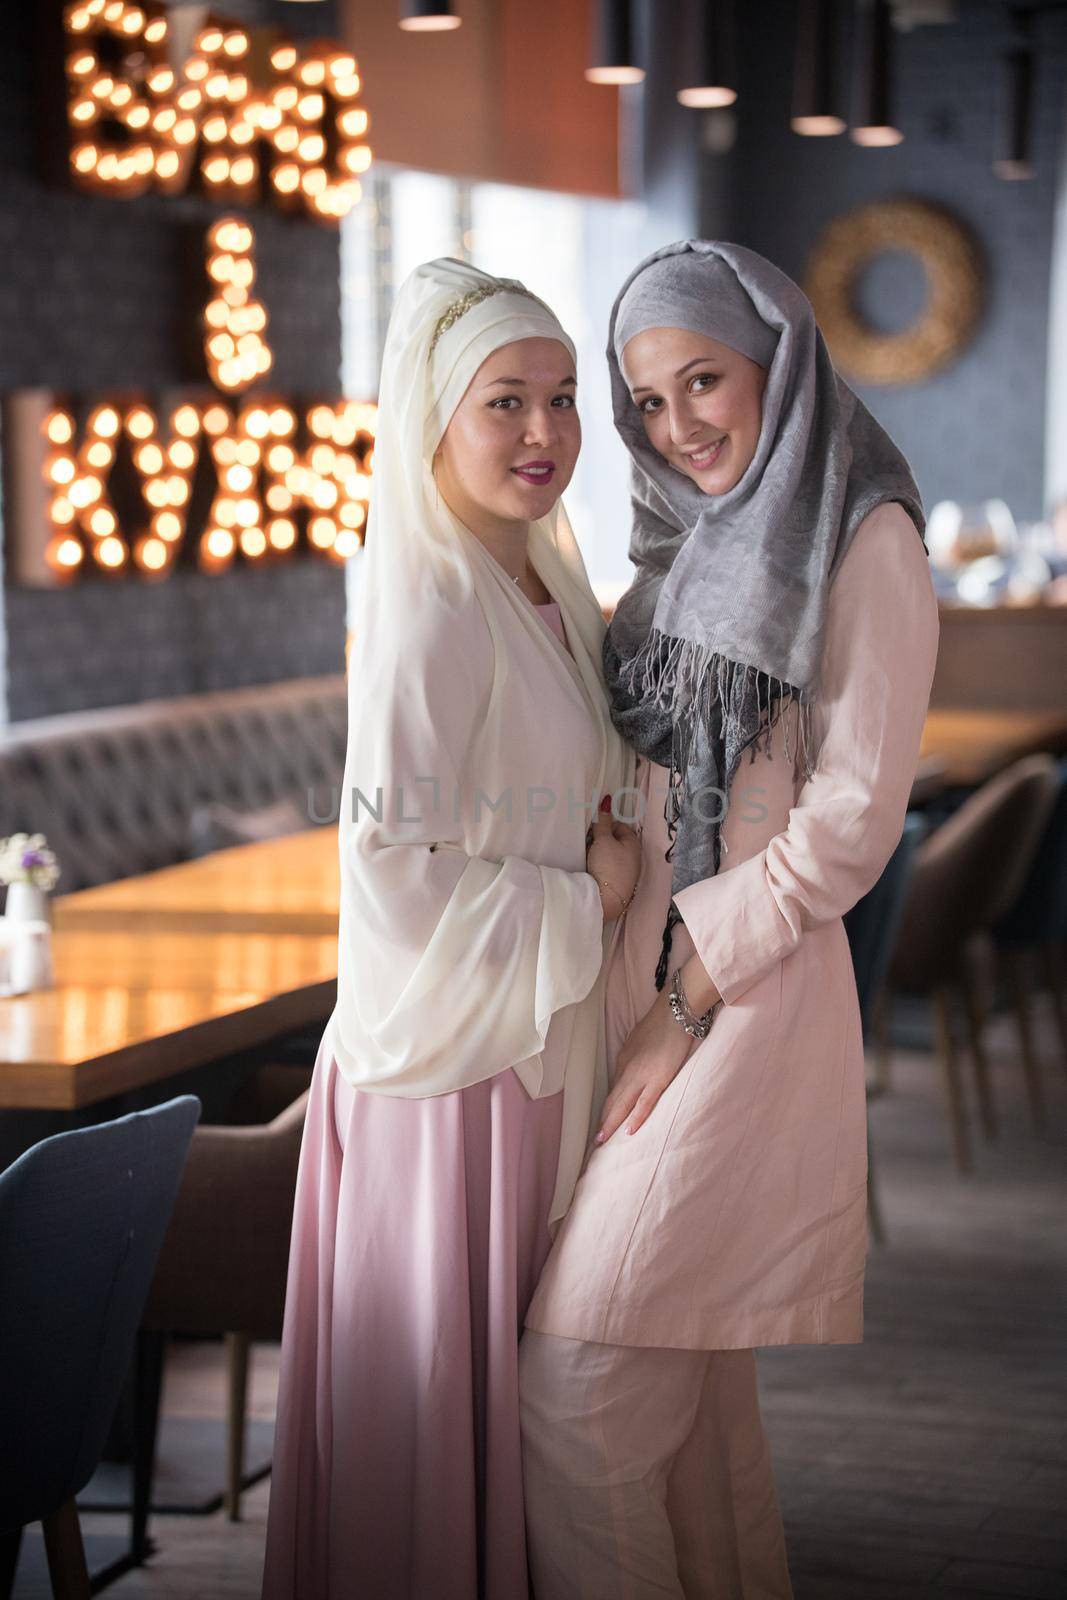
(1031, 935)
(967, 873)
(223, 1266)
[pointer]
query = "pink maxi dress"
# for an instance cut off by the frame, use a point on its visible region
(419, 1233)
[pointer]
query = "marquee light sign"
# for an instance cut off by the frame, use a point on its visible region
(129, 485)
(117, 484)
(245, 112)
(234, 323)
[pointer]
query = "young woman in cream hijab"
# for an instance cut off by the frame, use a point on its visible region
(772, 664)
(452, 1094)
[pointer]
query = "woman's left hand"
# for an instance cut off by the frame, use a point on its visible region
(648, 1063)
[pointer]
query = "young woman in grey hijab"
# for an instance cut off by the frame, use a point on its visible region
(782, 608)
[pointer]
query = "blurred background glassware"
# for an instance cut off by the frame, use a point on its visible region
(1021, 578)
(1029, 575)
(980, 556)
(958, 533)
(942, 535)
(982, 582)
(986, 529)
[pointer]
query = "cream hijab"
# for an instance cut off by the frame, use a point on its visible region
(453, 972)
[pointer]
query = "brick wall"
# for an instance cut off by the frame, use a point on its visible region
(92, 297)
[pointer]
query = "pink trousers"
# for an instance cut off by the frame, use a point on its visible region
(648, 1474)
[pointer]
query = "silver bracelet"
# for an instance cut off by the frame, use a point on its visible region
(683, 1013)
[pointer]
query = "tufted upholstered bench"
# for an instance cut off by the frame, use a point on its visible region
(114, 789)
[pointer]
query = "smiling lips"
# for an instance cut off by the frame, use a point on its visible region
(707, 455)
(536, 472)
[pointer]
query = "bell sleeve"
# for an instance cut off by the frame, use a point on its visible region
(451, 964)
(880, 647)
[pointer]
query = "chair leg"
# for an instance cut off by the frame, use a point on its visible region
(1053, 956)
(883, 1050)
(874, 1210)
(1015, 967)
(942, 1004)
(237, 1354)
(975, 1024)
(9, 1561)
(151, 1354)
(66, 1553)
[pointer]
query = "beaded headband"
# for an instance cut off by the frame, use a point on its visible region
(472, 298)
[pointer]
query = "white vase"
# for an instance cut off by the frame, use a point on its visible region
(26, 956)
(27, 903)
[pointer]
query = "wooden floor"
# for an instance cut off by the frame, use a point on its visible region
(931, 1459)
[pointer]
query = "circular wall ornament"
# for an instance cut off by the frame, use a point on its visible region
(952, 265)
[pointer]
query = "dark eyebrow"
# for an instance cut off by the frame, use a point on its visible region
(520, 383)
(698, 361)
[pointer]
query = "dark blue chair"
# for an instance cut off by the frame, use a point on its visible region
(82, 1219)
(872, 923)
(1035, 926)
(872, 926)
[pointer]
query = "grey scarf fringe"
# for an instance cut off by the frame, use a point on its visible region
(694, 684)
(674, 684)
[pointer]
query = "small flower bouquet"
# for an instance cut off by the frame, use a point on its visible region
(29, 869)
(26, 858)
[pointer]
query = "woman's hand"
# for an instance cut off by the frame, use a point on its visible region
(648, 1063)
(613, 857)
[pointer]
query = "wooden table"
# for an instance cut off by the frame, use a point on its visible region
(130, 1007)
(168, 970)
(976, 745)
(286, 885)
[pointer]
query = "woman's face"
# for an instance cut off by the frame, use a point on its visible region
(510, 447)
(700, 401)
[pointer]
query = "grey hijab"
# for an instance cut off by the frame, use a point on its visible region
(722, 626)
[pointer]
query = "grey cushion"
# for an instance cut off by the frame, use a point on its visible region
(217, 826)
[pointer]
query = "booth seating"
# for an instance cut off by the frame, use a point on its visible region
(127, 789)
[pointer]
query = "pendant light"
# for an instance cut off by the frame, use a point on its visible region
(428, 16)
(1015, 158)
(712, 79)
(614, 56)
(874, 125)
(816, 103)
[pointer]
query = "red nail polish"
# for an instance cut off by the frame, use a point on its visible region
(605, 804)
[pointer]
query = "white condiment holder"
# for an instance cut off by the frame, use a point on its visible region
(25, 956)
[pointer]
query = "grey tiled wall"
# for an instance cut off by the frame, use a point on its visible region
(91, 297)
(977, 429)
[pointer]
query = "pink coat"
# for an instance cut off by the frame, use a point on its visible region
(736, 1216)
